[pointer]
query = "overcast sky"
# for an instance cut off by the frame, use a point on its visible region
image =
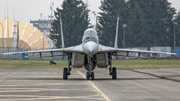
(24, 10)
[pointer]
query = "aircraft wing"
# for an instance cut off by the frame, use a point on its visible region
(77, 48)
(103, 49)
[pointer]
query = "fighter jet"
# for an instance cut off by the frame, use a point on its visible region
(90, 54)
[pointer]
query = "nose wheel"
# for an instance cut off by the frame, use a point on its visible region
(88, 75)
(92, 76)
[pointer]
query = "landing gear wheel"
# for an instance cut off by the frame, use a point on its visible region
(87, 76)
(92, 76)
(114, 76)
(65, 74)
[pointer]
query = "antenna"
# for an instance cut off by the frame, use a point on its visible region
(41, 16)
(4, 12)
(4, 35)
(8, 27)
(88, 8)
(51, 7)
(87, 4)
(7, 24)
(116, 38)
(13, 13)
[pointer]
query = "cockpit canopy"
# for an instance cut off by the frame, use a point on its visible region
(90, 33)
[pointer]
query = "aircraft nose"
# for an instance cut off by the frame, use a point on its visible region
(90, 48)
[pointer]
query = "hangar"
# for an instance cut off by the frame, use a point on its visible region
(15, 34)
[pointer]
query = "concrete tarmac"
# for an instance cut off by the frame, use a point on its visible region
(130, 85)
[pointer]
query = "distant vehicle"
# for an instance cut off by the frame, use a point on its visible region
(90, 54)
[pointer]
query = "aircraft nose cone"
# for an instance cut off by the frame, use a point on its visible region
(90, 48)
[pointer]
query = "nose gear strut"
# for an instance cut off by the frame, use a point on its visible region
(90, 73)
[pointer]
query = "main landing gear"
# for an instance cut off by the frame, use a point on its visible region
(113, 72)
(65, 76)
(67, 71)
(90, 67)
(114, 75)
(88, 75)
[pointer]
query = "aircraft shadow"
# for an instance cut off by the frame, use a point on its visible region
(82, 79)
(96, 79)
(172, 76)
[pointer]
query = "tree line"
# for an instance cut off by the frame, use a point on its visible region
(149, 23)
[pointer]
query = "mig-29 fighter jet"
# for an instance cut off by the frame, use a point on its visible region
(90, 54)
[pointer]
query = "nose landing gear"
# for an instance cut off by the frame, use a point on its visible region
(88, 75)
(90, 67)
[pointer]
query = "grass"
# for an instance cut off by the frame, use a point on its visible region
(146, 64)
(31, 64)
(125, 64)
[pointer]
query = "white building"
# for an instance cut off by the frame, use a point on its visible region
(161, 49)
(44, 26)
(138, 48)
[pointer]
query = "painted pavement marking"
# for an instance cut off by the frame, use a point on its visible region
(100, 92)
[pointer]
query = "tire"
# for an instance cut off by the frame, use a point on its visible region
(65, 74)
(87, 76)
(92, 76)
(114, 76)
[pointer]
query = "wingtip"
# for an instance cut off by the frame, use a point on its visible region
(6, 54)
(172, 53)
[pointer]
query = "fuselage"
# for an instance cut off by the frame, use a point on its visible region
(90, 42)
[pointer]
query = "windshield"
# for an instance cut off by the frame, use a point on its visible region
(90, 33)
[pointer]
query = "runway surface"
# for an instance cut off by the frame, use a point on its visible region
(130, 85)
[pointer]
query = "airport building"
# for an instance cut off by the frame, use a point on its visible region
(44, 26)
(161, 49)
(23, 36)
(177, 50)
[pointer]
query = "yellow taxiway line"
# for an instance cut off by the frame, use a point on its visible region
(100, 92)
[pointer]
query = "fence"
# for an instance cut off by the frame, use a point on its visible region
(26, 56)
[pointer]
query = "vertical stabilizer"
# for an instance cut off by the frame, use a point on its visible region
(62, 37)
(116, 38)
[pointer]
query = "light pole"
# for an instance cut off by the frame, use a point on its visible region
(124, 26)
(175, 23)
(43, 41)
(2, 36)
